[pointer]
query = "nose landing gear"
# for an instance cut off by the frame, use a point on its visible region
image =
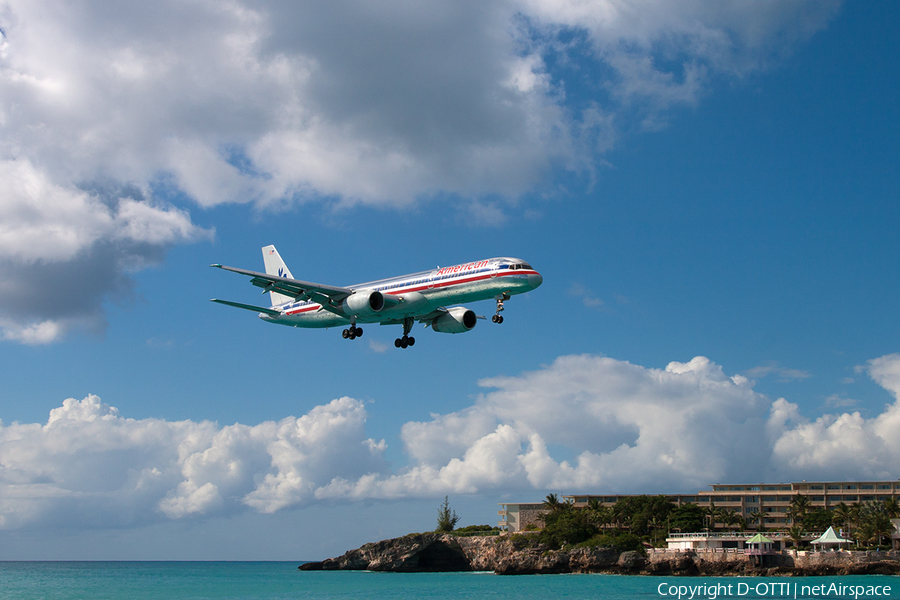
(498, 318)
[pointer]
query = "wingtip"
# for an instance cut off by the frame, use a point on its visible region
(216, 265)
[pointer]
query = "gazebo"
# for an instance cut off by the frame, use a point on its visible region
(758, 544)
(829, 538)
(760, 550)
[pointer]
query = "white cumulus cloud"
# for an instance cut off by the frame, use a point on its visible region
(582, 423)
(81, 244)
(90, 465)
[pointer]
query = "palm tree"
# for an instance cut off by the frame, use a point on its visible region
(552, 503)
(598, 514)
(714, 515)
(796, 533)
(881, 527)
(841, 517)
(732, 518)
(875, 522)
(757, 517)
(800, 505)
(892, 508)
(855, 516)
(618, 514)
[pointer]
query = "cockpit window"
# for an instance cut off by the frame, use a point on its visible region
(518, 266)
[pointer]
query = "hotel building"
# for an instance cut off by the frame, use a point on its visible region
(770, 500)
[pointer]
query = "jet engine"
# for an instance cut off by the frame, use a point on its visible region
(458, 319)
(364, 303)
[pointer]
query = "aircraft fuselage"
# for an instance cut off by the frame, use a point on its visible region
(419, 293)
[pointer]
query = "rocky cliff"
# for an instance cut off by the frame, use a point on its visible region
(521, 555)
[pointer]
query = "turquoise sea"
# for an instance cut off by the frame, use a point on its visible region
(282, 580)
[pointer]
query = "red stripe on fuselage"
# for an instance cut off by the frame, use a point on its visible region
(442, 285)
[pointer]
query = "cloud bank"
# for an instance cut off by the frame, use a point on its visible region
(582, 424)
(107, 109)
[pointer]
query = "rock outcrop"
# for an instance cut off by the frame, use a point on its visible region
(412, 553)
(523, 555)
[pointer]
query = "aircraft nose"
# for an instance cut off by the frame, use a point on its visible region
(535, 280)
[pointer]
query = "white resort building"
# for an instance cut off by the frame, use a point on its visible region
(767, 501)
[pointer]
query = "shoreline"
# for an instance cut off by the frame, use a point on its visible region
(515, 555)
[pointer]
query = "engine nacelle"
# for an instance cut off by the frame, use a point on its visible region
(364, 303)
(456, 320)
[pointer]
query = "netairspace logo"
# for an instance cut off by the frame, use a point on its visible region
(787, 589)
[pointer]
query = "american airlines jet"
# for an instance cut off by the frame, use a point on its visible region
(397, 301)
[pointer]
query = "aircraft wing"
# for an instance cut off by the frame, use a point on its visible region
(328, 296)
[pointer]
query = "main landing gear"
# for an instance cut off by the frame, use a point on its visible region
(407, 340)
(498, 318)
(352, 333)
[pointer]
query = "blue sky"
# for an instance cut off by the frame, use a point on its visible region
(710, 195)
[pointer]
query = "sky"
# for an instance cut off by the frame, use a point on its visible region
(711, 192)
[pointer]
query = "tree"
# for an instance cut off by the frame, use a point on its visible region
(552, 503)
(566, 526)
(710, 513)
(756, 516)
(598, 514)
(796, 533)
(447, 518)
(817, 519)
(875, 523)
(800, 505)
(841, 517)
(880, 527)
(855, 513)
(892, 508)
(732, 519)
(716, 515)
(687, 518)
(643, 513)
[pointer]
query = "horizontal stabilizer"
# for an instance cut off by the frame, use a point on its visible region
(259, 309)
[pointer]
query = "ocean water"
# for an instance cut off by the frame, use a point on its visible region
(282, 580)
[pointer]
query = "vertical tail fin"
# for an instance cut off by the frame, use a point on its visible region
(275, 266)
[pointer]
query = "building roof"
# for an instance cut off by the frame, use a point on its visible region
(759, 539)
(830, 537)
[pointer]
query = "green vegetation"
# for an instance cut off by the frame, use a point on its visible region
(565, 525)
(619, 541)
(447, 518)
(638, 520)
(624, 526)
(687, 517)
(868, 523)
(476, 530)
(818, 519)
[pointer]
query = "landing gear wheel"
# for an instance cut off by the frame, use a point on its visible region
(352, 333)
(406, 341)
(498, 318)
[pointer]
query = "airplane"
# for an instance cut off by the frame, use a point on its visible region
(396, 301)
